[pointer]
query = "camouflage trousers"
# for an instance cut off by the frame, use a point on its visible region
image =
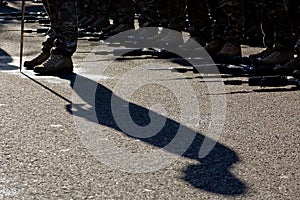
(199, 20)
(63, 35)
(294, 14)
(227, 20)
(276, 15)
(84, 6)
(149, 13)
(177, 13)
(123, 11)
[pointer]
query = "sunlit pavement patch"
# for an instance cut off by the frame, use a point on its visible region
(8, 192)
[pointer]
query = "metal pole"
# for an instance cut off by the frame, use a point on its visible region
(22, 34)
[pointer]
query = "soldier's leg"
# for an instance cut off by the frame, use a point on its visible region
(148, 21)
(163, 10)
(82, 9)
(293, 66)
(284, 37)
(89, 12)
(125, 16)
(126, 12)
(50, 37)
(296, 17)
(113, 15)
(177, 15)
(233, 33)
(218, 23)
(47, 45)
(66, 31)
(296, 64)
(149, 15)
(200, 26)
(253, 34)
(177, 22)
(102, 13)
(268, 32)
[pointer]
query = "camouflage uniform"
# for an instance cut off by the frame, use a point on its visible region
(279, 25)
(113, 11)
(218, 20)
(199, 21)
(177, 15)
(277, 14)
(87, 12)
(150, 14)
(163, 11)
(253, 35)
(231, 18)
(124, 11)
(227, 28)
(62, 37)
(100, 16)
(268, 30)
(294, 13)
(293, 66)
(83, 7)
(102, 7)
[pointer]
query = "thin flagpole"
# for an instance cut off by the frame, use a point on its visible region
(22, 34)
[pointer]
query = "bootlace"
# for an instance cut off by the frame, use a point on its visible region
(290, 65)
(52, 60)
(264, 52)
(274, 54)
(228, 46)
(40, 56)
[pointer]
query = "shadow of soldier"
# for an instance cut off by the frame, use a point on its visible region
(5, 59)
(212, 174)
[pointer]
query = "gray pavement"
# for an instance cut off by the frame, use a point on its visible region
(60, 139)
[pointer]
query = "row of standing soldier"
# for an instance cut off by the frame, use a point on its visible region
(221, 26)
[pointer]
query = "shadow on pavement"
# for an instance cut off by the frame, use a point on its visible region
(212, 174)
(7, 9)
(13, 11)
(5, 59)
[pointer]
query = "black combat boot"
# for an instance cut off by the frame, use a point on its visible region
(121, 27)
(288, 68)
(258, 56)
(172, 39)
(56, 65)
(278, 57)
(192, 43)
(110, 27)
(229, 50)
(42, 57)
(142, 34)
(87, 21)
(296, 74)
(100, 23)
(214, 46)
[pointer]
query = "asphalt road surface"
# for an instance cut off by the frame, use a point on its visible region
(73, 137)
